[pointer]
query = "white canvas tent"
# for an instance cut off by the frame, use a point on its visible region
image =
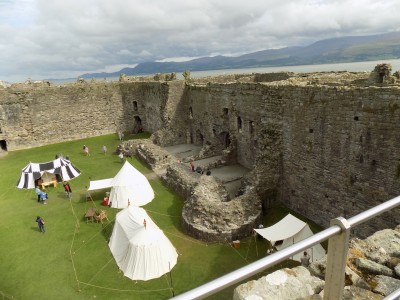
(141, 251)
(63, 168)
(289, 231)
(130, 186)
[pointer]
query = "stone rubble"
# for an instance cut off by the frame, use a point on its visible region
(370, 273)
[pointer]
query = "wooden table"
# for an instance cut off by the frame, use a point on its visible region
(52, 182)
(90, 214)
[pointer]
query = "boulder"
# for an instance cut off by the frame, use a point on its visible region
(285, 284)
(385, 285)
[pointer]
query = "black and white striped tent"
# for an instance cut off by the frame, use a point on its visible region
(63, 169)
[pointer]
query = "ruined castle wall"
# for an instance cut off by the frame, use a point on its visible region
(49, 114)
(33, 115)
(341, 151)
(245, 111)
(323, 151)
(174, 116)
(146, 101)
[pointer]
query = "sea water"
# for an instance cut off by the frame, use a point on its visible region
(365, 66)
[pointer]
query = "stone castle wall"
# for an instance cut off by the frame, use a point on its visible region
(323, 151)
(32, 115)
(322, 145)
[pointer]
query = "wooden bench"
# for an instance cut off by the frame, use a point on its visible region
(90, 214)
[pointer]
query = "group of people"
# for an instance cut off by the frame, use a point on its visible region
(41, 195)
(199, 169)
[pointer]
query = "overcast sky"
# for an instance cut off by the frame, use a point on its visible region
(42, 39)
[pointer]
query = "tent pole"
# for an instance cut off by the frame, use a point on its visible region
(170, 276)
(255, 239)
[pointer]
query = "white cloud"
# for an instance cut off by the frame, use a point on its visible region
(40, 38)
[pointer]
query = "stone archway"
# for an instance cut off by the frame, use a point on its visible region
(199, 138)
(137, 126)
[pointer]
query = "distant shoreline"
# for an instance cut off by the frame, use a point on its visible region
(363, 66)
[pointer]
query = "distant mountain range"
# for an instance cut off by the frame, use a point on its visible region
(335, 50)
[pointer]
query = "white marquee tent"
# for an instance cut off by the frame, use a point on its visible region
(289, 231)
(129, 186)
(139, 247)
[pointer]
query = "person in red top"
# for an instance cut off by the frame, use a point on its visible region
(67, 189)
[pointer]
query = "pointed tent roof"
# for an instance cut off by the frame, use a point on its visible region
(33, 171)
(141, 252)
(130, 186)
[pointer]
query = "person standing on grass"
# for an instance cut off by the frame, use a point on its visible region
(67, 189)
(86, 150)
(40, 222)
(121, 156)
(120, 135)
(104, 149)
(38, 192)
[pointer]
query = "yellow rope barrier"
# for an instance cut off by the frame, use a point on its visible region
(154, 212)
(124, 290)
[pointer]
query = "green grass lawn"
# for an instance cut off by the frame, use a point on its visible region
(72, 259)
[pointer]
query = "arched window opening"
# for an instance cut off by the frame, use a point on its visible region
(190, 112)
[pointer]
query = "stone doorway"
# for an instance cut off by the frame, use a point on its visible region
(137, 125)
(3, 147)
(225, 139)
(199, 138)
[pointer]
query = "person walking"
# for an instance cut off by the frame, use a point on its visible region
(121, 156)
(40, 222)
(67, 189)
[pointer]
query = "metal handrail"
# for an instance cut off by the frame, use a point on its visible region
(245, 272)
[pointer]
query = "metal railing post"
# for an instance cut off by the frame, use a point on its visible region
(336, 261)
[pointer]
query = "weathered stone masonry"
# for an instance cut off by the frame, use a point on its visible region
(322, 144)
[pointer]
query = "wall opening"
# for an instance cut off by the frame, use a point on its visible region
(137, 125)
(3, 145)
(135, 107)
(199, 138)
(225, 139)
(190, 112)
(239, 124)
(225, 111)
